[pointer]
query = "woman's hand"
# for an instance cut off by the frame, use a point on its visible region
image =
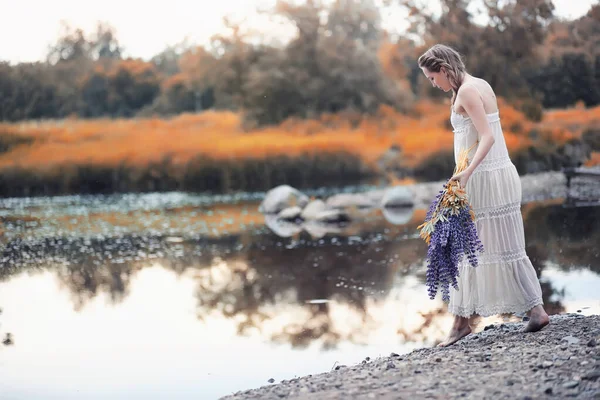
(462, 178)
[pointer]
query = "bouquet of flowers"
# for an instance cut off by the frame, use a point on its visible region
(450, 233)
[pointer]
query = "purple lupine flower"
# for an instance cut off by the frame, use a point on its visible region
(452, 236)
(434, 204)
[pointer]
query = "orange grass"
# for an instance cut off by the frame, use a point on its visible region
(218, 134)
(572, 116)
(594, 160)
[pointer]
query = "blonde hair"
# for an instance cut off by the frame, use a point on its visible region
(441, 56)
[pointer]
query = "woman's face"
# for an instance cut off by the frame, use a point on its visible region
(438, 79)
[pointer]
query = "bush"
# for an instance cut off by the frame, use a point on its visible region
(438, 166)
(532, 109)
(202, 174)
(550, 156)
(591, 137)
(9, 140)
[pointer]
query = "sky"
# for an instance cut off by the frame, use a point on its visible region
(145, 28)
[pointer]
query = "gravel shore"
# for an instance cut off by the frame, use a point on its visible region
(500, 362)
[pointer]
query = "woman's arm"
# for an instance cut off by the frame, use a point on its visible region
(471, 102)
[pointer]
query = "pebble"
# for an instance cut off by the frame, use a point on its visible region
(570, 384)
(592, 375)
(571, 339)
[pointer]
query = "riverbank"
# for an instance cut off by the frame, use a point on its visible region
(543, 186)
(500, 362)
(211, 152)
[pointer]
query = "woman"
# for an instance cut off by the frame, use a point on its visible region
(505, 280)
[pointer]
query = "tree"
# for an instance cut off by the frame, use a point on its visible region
(74, 60)
(104, 43)
(73, 45)
(570, 69)
(119, 90)
(27, 92)
(499, 51)
(566, 79)
(330, 65)
(235, 55)
(167, 61)
(511, 42)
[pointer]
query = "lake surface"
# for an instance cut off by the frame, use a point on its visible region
(195, 297)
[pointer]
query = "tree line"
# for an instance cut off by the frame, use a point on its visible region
(341, 58)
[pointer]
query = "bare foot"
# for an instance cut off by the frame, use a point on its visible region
(460, 329)
(538, 319)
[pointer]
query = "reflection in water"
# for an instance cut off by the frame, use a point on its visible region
(358, 284)
(248, 276)
(282, 228)
(398, 215)
(566, 236)
(8, 340)
(271, 274)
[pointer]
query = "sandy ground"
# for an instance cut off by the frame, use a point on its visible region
(500, 362)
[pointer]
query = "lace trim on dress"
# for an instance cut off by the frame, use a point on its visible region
(460, 122)
(492, 117)
(462, 129)
(503, 257)
(493, 164)
(495, 309)
(500, 258)
(497, 211)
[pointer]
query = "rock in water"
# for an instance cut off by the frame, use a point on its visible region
(397, 196)
(397, 205)
(318, 229)
(332, 217)
(282, 197)
(282, 228)
(312, 210)
(398, 215)
(290, 213)
(346, 200)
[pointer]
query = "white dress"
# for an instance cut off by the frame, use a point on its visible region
(505, 280)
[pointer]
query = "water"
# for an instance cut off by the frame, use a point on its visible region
(182, 296)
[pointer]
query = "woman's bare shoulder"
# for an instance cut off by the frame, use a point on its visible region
(477, 90)
(485, 86)
(467, 92)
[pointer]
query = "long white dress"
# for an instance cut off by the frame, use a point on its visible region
(505, 280)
